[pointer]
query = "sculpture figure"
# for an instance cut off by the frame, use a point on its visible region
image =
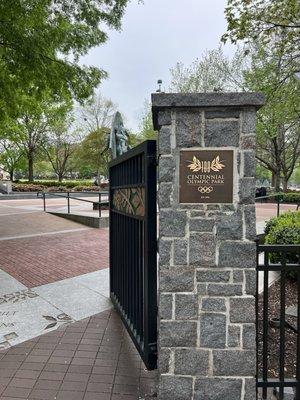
(118, 138)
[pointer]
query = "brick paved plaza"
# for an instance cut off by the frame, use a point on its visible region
(93, 359)
(38, 248)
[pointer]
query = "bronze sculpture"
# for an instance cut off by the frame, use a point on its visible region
(118, 138)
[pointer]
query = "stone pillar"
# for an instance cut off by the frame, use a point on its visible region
(207, 254)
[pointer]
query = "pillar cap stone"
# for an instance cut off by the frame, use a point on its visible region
(163, 101)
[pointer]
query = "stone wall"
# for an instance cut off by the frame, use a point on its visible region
(207, 254)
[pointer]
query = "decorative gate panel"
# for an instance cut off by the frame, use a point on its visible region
(133, 246)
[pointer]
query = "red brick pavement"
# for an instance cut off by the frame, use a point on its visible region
(93, 359)
(38, 260)
(265, 211)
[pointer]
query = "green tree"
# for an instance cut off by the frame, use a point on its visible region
(37, 115)
(43, 168)
(296, 176)
(272, 23)
(11, 157)
(41, 42)
(146, 130)
(59, 145)
(262, 173)
(212, 72)
(278, 127)
(97, 113)
(263, 70)
(91, 153)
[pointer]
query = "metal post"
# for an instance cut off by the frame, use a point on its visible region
(99, 205)
(68, 199)
(44, 201)
(278, 206)
(297, 394)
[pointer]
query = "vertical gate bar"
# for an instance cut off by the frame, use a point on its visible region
(116, 266)
(139, 280)
(150, 238)
(99, 205)
(133, 275)
(136, 273)
(124, 264)
(142, 289)
(44, 201)
(256, 311)
(137, 277)
(127, 264)
(121, 262)
(129, 219)
(111, 231)
(282, 325)
(297, 396)
(128, 224)
(265, 325)
(68, 201)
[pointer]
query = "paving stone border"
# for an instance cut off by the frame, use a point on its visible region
(207, 253)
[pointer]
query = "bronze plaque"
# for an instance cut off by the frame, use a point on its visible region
(206, 176)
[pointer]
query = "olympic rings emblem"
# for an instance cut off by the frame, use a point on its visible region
(205, 189)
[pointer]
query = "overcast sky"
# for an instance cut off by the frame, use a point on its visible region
(155, 35)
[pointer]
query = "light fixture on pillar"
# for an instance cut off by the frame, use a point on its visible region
(159, 82)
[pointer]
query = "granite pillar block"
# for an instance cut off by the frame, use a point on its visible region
(207, 251)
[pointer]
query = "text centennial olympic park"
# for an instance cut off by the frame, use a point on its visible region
(205, 179)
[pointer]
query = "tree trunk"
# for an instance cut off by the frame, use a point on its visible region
(30, 167)
(277, 182)
(285, 184)
(273, 179)
(11, 175)
(60, 177)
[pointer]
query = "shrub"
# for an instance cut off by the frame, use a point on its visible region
(25, 187)
(86, 189)
(291, 197)
(284, 218)
(284, 230)
(53, 183)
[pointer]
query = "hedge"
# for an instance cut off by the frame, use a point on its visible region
(284, 229)
(291, 197)
(24, 187)
(67, 184)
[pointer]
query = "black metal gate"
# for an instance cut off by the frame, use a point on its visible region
(133, 245)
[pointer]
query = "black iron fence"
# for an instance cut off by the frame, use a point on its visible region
(278, 332)
(133, 242)
(102, 199)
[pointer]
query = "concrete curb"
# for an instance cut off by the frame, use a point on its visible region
(93, 222)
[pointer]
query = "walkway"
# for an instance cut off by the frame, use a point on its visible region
(93, 359)
(51, 271)
(54, 272)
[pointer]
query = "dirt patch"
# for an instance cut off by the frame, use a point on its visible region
(291, 293)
